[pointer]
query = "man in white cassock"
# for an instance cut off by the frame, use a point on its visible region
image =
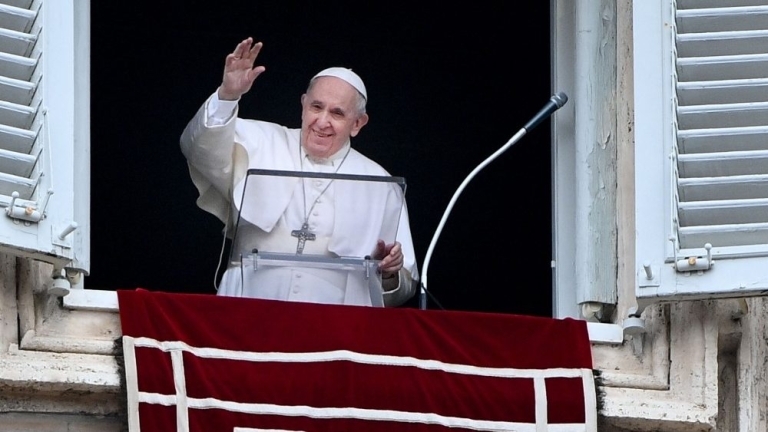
(315, 217)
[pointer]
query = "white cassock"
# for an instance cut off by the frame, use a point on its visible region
(346, 220)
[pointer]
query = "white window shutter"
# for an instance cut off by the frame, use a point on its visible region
(44, 130)
(701, 148)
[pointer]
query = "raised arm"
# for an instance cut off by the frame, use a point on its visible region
(208, 139)
(239, 70)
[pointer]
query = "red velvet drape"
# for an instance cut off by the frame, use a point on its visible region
(264, 364)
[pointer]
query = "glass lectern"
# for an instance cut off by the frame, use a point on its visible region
(315, 235)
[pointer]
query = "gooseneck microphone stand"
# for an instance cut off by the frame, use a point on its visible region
(555, 102)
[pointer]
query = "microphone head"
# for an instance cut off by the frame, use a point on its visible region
(559, 99)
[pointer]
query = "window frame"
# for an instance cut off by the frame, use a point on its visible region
(564, 303)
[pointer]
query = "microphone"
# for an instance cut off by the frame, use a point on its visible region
(555, 102)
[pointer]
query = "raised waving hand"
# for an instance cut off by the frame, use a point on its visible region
(239, 70)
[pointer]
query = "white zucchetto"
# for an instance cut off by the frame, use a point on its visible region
(347, 75)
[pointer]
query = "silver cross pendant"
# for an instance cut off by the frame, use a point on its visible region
(303, 235)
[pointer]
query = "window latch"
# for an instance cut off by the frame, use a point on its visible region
(30, 213)
(693, 263)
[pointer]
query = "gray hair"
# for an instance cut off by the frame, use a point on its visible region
(360, 99)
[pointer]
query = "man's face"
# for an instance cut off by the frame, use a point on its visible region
(329, 116)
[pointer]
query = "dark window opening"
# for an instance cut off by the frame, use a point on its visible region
(447, 88)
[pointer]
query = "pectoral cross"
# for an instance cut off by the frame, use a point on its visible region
(303, 235)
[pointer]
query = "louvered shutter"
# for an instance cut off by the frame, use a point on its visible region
(701, 144)
(44, 130)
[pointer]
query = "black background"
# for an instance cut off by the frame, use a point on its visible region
(447, 86)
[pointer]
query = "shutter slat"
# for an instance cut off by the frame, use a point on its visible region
(19, 3)
(19, 43)
(15, 115)
(16, 18)
(724, 235)
(712, 212)
(727, 139)
(16, 91)
(10, 183)
(722, 91)
(723, 115)
(723, 188)
(17, 67)
(18, 164)
(722, 43)
(723, 164)
(720, 19)
(741, 66)
(17, 140)
(707, 4)
(732, 10)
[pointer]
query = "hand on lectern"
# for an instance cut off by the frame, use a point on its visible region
(391, 256)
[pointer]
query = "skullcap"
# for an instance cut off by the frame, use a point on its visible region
(347, 75)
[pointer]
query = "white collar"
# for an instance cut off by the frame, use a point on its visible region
(331, 160)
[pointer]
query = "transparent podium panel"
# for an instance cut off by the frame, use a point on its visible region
(316, 237)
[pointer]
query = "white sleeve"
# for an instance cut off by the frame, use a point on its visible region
(219, 111)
